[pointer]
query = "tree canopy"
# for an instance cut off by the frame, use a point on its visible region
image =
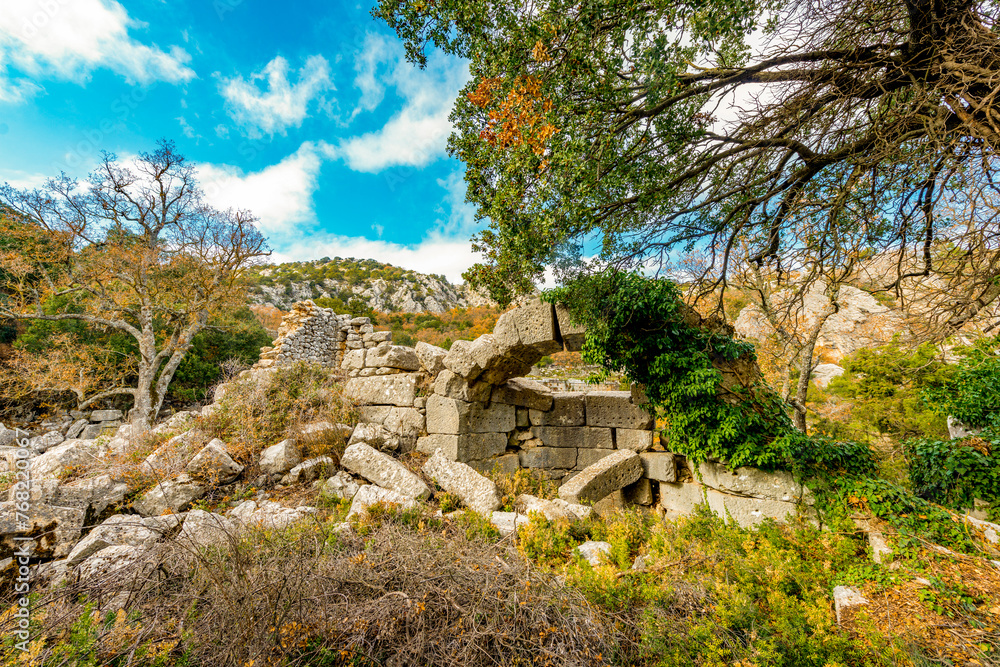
(135, 250)
(747, 131)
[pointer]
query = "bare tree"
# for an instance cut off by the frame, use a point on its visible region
(135, 249)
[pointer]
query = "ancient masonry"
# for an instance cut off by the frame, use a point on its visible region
(474, 404)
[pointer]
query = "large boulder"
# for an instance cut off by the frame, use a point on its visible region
(823, 373)
(608, 475)
(371, 494)
(115, 568)
(268, 514)
(477, 492)
(213, 464)
(206, 529)
(383, 470)
(468, 359)
(127, 529)
(376, 435)
(45, 531)
(173, 495)
(280, 458)
(62, 457)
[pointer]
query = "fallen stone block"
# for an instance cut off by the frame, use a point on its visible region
(596, 481)
(399, 389)
(466, 447)
(268, 514)
(548, 457)
(745, 511)
(105, 415)
(989, 531)
(280, 458)
(508, 522)
(376, 435)
(447, 415)
(214, 465)
(128, 529)
(341, 486)
(69, 454)
(568, 409)
(173, 495)
(752, 482)
(477, 492)
(594, 552)
(309, 470)
(615, 409)
(383, 470)
(370, 494)
(524, 393)
(553, 510)
(206, 529)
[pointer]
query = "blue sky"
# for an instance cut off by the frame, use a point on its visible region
(305, 112)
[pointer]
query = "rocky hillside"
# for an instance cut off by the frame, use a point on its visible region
(378, 286)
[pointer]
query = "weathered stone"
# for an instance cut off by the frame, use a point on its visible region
(70, 454)
(324, 431)
(594, 553)
(552, 510)
(681, 499)
(548, 457)
(393, 356)
(172, 495)
(42, 443)
(568, 409)
(371, 494)
(609, 474)
(206, 529)
(659, 466)
(280, 458)
(508, 522)
(53, 530)
(823, 373)
(844, 599)
(989, 531)
(466, 447)
(397, 389)
(636, 440)
(881, 552)
(76, 429)
(214, 465)
(537, 328)
(105, 415)
(383, 470)
(341, 486)
(447, 415)
(752, 482)
(128, 529)
(93, 495)
(452, 386)
(377, 436)
(468, 359)
(507, 464)
(639, 493)
(521, 418)
(573, 335)
(477, 492)
(431, 357)
(309, 470)
(957, 429)
(524, 393)
(354, 360)
(120, 562)
(616, 410)
(94, 431)
(505, 367)
(170, 457)
(574, 436)
(588, 457)
(268, 514)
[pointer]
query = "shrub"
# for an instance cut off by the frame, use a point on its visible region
(955, 472)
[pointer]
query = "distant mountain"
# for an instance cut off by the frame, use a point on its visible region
(334, 283)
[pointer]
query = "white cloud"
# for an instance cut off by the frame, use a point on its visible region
(418, 133)
(281, 195)
(69, 39)
(283, 104)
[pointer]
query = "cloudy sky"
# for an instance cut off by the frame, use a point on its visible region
(304, 112)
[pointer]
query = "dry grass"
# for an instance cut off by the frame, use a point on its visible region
(410, 591)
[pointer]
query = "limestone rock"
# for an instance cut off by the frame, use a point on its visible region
(602, 478)
(53, 530)
(376, 435)
(823, 373)
(549, 457)
(477, 492)
(69, 454)
(574, 436)
(636, 440)
(42, 443)
(128, 529)
(568, 409)
(341, 486)
(659, 466)
(845, 598)
(383, 470)
(105, 415)
(588, 457)
(172, 495)
(397, 390)
(524, 393)
(465, 447)
(594, 552)
(615, 409)
(393, 356)
(508, 522)
(309, 470)
(431, 357)
(268, 514)
(371, 494)
(213, 464)
(453, 386)
(280, 458)
(957, 429)
(119, 564)
(751, 482)
(206, 529)
(680, 499)
(447, 415)
(573, 335)
(552, 510)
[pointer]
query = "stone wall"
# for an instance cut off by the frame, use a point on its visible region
(474, 404)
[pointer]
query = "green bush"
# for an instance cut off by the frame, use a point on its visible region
(953, 473)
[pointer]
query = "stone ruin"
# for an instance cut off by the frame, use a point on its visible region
(474, 404)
